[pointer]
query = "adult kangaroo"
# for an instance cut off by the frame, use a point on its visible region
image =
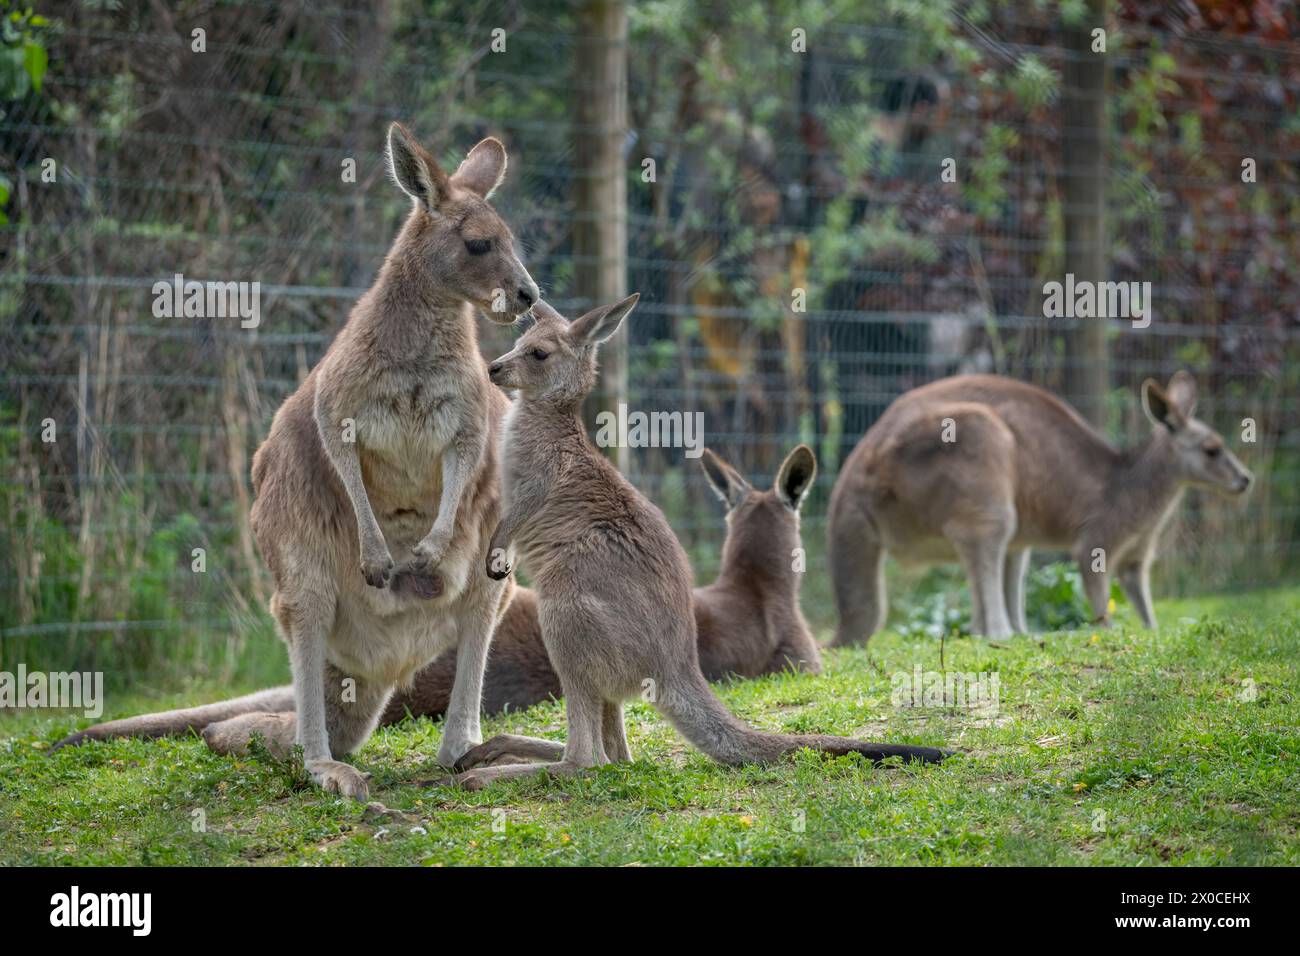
(613, 583)
(748, 619)
(981, 469)
(383, 462)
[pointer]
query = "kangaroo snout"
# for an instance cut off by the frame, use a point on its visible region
(499, 373)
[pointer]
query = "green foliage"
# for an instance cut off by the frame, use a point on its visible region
(1182, 741)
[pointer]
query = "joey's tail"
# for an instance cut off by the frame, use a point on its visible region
(170, 723)
(690, 705)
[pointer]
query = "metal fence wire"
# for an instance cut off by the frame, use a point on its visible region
(814, 231)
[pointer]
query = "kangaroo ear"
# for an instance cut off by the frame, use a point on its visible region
(414, 170)
(483, 169)
(602, 322)
(1182, 393)
(725, 480)
(1158, 406)
(543, 309)
(796, 476)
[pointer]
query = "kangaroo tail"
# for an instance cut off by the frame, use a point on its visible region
(171, 723)
(689, 704)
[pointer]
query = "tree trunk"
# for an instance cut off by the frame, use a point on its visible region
(600, 185)
(1084, 139)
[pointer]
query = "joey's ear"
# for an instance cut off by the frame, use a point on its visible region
(1182, 393)
(414, 170)
(543, 309)
(483, 169)
(602, 322)
(725, 480)
(796, 476)
(1158, 406)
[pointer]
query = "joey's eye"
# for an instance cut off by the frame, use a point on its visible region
(540, 355)
(478, 247)
(1213, 452)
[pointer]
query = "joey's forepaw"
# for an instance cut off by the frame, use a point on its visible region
(341, 778)
(429, 552)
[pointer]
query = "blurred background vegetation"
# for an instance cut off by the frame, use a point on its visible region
(775, 169)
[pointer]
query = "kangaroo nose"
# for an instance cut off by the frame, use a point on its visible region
(525, 296)
(494, 368)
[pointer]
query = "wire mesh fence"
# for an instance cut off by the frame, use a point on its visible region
(827, 205)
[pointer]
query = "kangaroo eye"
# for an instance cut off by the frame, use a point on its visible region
(540, 355)
(1214, 452)
(478, 247)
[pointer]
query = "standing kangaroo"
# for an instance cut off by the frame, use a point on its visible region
(613, 583)
(748, 620)
(982, 469)
(388, 448)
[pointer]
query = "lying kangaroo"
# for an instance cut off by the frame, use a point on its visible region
(748, 620)
(983, 469)
(389, 448)
(613, 583)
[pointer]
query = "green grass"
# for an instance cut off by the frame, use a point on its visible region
(1126, 747)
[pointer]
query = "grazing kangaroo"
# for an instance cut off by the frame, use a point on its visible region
(982, 469)
(613, 583)
(748, 620)
(388, 449)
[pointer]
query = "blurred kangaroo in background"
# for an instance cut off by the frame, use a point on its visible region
(748, 619)
(388, 448)
(982, 469)
(613, 583)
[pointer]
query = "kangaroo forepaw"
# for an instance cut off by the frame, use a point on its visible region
(341, 778)
(377, 569)
(429, 552)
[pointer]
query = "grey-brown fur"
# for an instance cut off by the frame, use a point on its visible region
(414, 493)
(748, 621)
(613, 583)
(1024, 470)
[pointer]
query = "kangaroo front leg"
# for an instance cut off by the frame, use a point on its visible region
(984, 559)
(458, 463)
(528, 501)
(376, 562)
(1135, 579)
(1013, 582)
(1096, 582)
